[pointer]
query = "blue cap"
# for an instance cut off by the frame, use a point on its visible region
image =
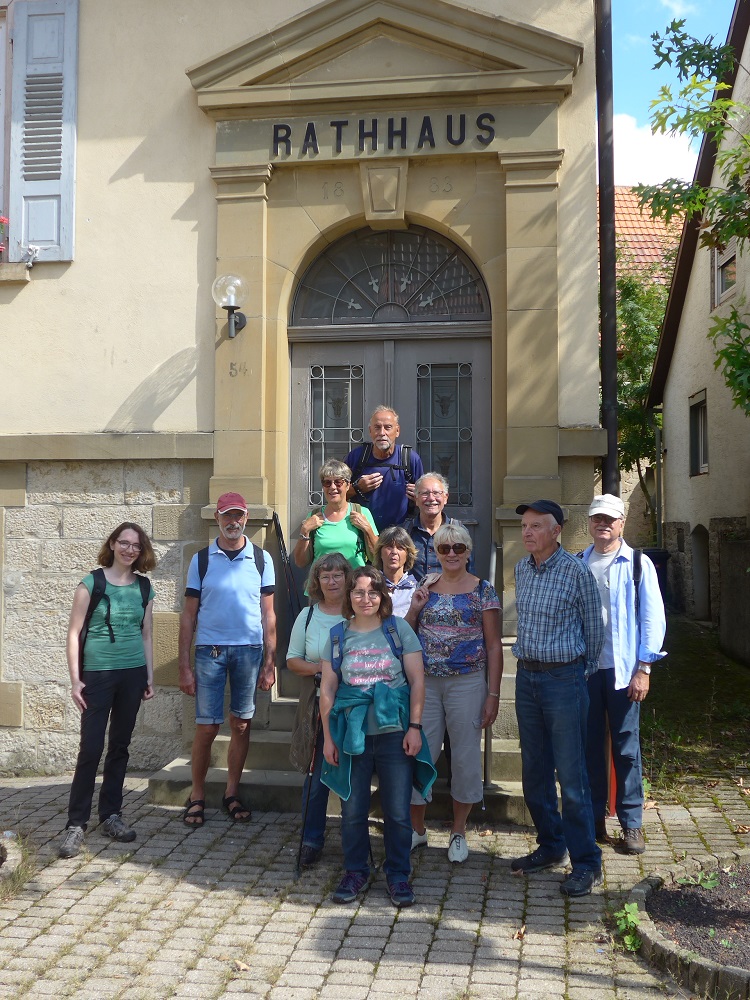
(543, 507)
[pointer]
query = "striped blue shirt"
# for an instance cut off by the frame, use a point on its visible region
(559, 611)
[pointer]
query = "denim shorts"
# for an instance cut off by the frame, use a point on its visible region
(242, 665)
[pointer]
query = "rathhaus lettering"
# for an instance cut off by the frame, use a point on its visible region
(373, 135)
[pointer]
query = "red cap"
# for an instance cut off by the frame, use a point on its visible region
(231, 501)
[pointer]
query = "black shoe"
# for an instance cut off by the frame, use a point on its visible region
(581, 881)
(309, 855)
(538, 861)
(114, 827)
(350, 887)
(600, 829)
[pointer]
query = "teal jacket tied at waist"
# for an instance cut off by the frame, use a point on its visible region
(348, 723)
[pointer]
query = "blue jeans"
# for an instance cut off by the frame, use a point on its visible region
(384, 755)
(552, 707)
(624, 726)
(241, 664)
(314, 833)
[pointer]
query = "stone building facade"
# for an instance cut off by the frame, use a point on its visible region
(426, 166)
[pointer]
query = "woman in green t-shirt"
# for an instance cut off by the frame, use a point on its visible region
(117, 674)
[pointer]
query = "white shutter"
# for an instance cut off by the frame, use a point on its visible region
(43, 128)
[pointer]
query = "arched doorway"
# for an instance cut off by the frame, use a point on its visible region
(400, 317)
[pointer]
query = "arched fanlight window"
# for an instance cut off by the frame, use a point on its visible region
(398, 276)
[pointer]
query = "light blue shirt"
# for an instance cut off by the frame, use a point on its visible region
(229, 612)
(633, 641)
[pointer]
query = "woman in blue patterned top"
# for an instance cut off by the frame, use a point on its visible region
(457, 617)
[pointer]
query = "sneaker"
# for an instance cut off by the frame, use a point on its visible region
(72, 842)
(580, 882)
(309, 855)
(600, 830)
(538, 861)
(401, 893)
(350, 887)
(114, 827)
(458, 849)
(632, 841)
(418, 840)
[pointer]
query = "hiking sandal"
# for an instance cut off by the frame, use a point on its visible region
(198, 817)
(232, 805)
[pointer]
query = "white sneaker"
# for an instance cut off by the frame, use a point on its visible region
(458, 849)
(418, 840)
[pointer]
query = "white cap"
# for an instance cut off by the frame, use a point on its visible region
(607, 504)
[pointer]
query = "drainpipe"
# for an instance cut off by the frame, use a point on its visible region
(607, 275)
(658, 474)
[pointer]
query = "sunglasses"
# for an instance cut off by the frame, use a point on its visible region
(338, 483)
(458, 547)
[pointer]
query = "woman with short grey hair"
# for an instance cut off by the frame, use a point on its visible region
(457, 618)
(337, 526)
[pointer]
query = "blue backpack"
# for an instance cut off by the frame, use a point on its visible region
(389, 631)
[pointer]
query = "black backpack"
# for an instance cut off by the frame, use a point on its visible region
(98, 593)
(366, 455)
(258, 555)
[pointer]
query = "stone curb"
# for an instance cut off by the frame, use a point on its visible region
(705, 978)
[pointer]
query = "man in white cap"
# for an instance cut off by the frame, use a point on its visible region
(634, 623)
(229, 607)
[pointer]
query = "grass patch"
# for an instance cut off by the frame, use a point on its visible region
(27, 867)
(695, 719)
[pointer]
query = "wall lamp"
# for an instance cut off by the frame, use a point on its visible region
(230, 292)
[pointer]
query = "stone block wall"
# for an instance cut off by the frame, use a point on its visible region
(47, 546)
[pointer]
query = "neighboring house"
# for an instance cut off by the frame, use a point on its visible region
(706, 439)
(408, 188)
(644, 244)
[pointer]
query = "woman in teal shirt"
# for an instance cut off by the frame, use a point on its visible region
(117, 674)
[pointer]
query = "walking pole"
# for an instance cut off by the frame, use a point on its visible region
(310, 771)
(295, 604)
(488, 731)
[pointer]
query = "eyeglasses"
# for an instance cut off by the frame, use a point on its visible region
(331, 577)
(458, 547)
(426, 494)
(129, 545)
(365, 595)
(338, 483)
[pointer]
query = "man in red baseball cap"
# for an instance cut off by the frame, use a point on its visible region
(229, 608)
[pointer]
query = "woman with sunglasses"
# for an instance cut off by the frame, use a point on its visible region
(394, 556)
(458, 620)
(371, 697)
(337, 526)
(117, 675)
(326, 586)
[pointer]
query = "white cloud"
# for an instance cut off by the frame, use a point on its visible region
(678, 8)
(643, 158)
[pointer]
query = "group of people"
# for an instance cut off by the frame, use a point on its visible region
(399, 649)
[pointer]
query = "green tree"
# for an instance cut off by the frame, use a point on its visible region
(641, 301)
(702, 106)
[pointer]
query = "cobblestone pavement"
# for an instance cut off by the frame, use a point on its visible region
(218, 912)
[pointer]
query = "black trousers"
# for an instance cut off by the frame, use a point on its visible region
(112, 696)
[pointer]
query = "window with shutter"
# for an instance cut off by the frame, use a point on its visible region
(723, 272)
(43, 129)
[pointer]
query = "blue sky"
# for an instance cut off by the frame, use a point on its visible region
(640, 157)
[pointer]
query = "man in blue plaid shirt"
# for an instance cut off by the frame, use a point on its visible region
(560, 635)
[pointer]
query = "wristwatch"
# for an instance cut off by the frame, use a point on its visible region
(415, 725)
(645, 668)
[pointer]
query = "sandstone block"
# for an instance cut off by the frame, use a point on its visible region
(150, 753)
(22, 554)
(45, 628)
(75, 482)
(57, 752)
(40, 521)
(44, 707)
(178, 521)
(17, 750)
(62, 556)
(158, 481)
(166, 629)
(96, 523)
(195, 479)
(11, 703)
(35, 664)
(162, 716)
(26, 594)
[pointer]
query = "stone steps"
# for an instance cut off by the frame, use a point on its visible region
(281, 791)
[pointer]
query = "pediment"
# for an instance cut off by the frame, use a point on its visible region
(346, 48)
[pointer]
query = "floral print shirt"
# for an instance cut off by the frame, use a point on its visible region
(450, 630)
